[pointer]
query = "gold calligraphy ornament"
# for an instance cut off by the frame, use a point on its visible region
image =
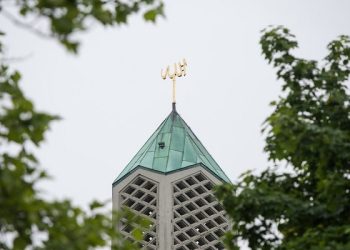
(179, 70)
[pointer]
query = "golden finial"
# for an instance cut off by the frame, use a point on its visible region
(179, 70)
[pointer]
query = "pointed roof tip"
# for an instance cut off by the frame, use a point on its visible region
(172, 147)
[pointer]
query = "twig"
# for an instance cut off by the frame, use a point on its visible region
(16, 59)
(23, 25)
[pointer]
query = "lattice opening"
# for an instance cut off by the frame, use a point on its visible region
(129, 190)
(218, 207)
(200, 190)
(181, 248)
(209, 198)
(181, 198)
(148, 211)
(210, 224)
(191, 219)
(191, 246)
(200, 177)
(200, 216)
(200, 229)
(129, 202)
(210, 237)
(191, 207)
(219, 220)
(182, 237)
(181, 185)
(220, 246)
(190, 194)
(210, 248)
(199, 219)
(149, 185)
(139, 181)
(209, 211)
(148, 198)
(200, 202)
(148, 237)
(181, 224)
(219, 233)
(141, 197)
(139, 194)
(191, 233)
(138, 207)
(201, 242)
(127, 229)
(181, 211)
(190, 181)
(209, 186)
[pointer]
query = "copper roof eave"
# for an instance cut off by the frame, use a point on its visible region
(166, 173)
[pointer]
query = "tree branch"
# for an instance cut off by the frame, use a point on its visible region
(23, 25)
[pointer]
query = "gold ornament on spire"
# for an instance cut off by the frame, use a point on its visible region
(179, 70)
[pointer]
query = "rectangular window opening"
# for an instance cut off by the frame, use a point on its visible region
(218, 207)
(139, 207)
(191, 220)
(148, 185)
(139, 181)
(181, 224)
(200, 190)
(148, 198)
(219, 220)
(191, 207)
(210, 237)
(200, 216)
(181, 211)
(210, 224)
(181, 185)
(209, 198)
(129, 202)
(190, 181)
(209, 186)
(200, 177)
(190, 194)
(200, 203)
(191, 233)
(139, 194)
(129, 190)
(209, 211)
(181, 198)
(181, 237)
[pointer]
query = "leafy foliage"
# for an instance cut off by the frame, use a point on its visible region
(68, 17)
(26, 219)
(306, 205)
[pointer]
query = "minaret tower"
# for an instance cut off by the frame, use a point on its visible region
(170, 180)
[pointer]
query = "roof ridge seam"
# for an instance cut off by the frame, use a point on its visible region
(203, 154)
(192, 133)
(148, 140)
(172, 115)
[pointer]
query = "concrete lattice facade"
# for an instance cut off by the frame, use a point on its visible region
(185, 214)
(141, 196)
(198, 219)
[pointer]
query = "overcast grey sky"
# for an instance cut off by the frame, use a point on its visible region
(112, 98)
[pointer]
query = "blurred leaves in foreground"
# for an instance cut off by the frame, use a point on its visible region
(64, 19)
(27, 220)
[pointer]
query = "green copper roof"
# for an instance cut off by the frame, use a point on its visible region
(173, 146)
